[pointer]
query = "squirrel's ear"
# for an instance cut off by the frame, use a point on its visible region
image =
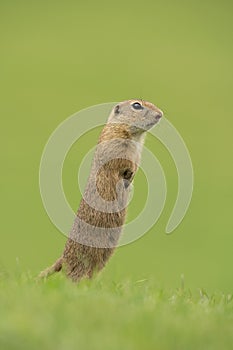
(117, 109)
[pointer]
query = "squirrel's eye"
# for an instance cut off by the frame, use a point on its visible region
(137, 105)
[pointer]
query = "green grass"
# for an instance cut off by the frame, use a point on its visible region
(57, 314)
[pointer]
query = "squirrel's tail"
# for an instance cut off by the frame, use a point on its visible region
(56, 267)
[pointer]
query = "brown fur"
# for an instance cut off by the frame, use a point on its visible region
(97, 229)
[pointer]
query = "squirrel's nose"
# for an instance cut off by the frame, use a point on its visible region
(159, 115)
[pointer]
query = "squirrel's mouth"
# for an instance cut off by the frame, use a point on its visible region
(151, 124)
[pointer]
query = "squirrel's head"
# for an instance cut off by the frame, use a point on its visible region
(138, 115)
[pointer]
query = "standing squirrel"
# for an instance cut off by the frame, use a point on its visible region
(101, 214)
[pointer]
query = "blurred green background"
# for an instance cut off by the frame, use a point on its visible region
(58, 57)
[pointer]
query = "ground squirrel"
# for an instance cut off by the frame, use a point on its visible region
(101, 214)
